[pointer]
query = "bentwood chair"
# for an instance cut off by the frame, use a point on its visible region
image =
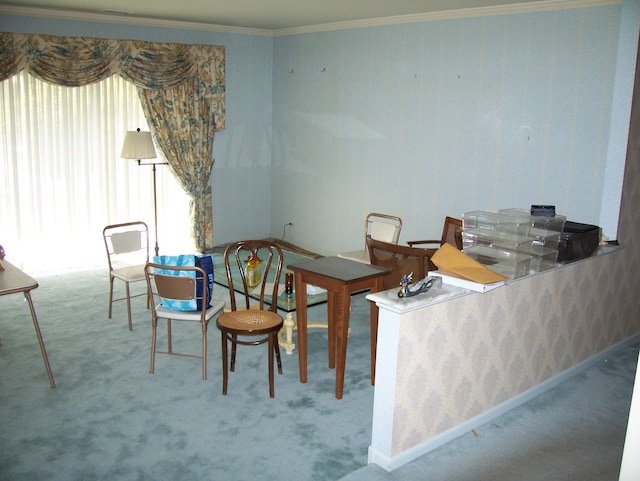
(251, 324)
(451, 234)
(179, 284)
(402, 260)
(127, 248)
(382, 227)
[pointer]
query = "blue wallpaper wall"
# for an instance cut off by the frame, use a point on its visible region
(441, 117)
(420, 120)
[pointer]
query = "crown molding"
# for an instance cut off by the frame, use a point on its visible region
(121, 18)
(529, 7)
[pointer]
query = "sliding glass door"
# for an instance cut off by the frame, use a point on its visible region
(62, 178)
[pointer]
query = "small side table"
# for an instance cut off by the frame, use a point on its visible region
(340, 277)
(13, 280)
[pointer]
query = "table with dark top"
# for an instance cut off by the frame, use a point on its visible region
(340, 277)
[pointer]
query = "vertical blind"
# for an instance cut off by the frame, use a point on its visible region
(63, 179)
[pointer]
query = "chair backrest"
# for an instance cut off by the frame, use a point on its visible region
(452, 232)
(176, 283)
(382, 227)
(236, 257)
(126, 244)
(402, 260)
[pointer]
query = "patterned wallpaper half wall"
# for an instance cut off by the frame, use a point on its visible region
(461, 358)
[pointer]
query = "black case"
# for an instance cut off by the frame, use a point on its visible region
(578, 241)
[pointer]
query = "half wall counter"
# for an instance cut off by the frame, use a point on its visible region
(457, 359)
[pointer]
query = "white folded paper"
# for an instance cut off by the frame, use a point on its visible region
(311, 290)
(466, 284)
(268, 289)
(314, 290)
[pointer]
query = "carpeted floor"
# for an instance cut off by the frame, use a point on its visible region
(109, 419)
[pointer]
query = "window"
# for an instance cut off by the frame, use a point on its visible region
(63, 179)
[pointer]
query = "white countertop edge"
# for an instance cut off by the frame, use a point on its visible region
(389, 299)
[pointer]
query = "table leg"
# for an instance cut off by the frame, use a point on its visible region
(301, 314)
(373, 314)
(374, 340)
(285, 336)
(27, 295)
(331, 328)
(343, 303)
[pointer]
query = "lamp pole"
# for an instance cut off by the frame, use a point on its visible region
(155, 209)
(155, 200)
(139, 145)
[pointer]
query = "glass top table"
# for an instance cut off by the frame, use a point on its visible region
(285, 302)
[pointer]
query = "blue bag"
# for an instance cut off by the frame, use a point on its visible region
(204, 262)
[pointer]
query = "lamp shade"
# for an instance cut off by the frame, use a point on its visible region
(138, 145)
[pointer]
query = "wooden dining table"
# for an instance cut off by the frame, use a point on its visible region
(340, 277)
(12, 281)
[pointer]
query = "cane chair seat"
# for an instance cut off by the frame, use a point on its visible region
(251, 322)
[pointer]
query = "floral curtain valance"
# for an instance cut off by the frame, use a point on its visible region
(77, 61)
(181, 88)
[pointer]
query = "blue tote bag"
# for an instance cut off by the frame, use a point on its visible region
(204, 262)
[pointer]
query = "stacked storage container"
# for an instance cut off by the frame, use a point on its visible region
(511, 241)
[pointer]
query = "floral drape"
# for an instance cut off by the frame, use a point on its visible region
(181, 87)
(185, 126)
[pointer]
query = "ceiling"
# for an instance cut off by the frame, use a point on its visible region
(259, 14)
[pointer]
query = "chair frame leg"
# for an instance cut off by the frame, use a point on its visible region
(204, 352)
(271, 342)
(234, 345)
(128, 299)
(111, 280)
(273, 351)
(129, 305)
(225, 363)
(278, 359)
(154, 328)
(169, 341)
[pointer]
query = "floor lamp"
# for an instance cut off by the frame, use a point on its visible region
(139, 145)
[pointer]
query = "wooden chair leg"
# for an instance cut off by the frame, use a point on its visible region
(169, 343)
(225, 363)
(278, 359)
(270, 359)
(233, 352)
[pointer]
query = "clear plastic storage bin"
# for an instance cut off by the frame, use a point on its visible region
(554, 224)
(510, 264)
(491, 238)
